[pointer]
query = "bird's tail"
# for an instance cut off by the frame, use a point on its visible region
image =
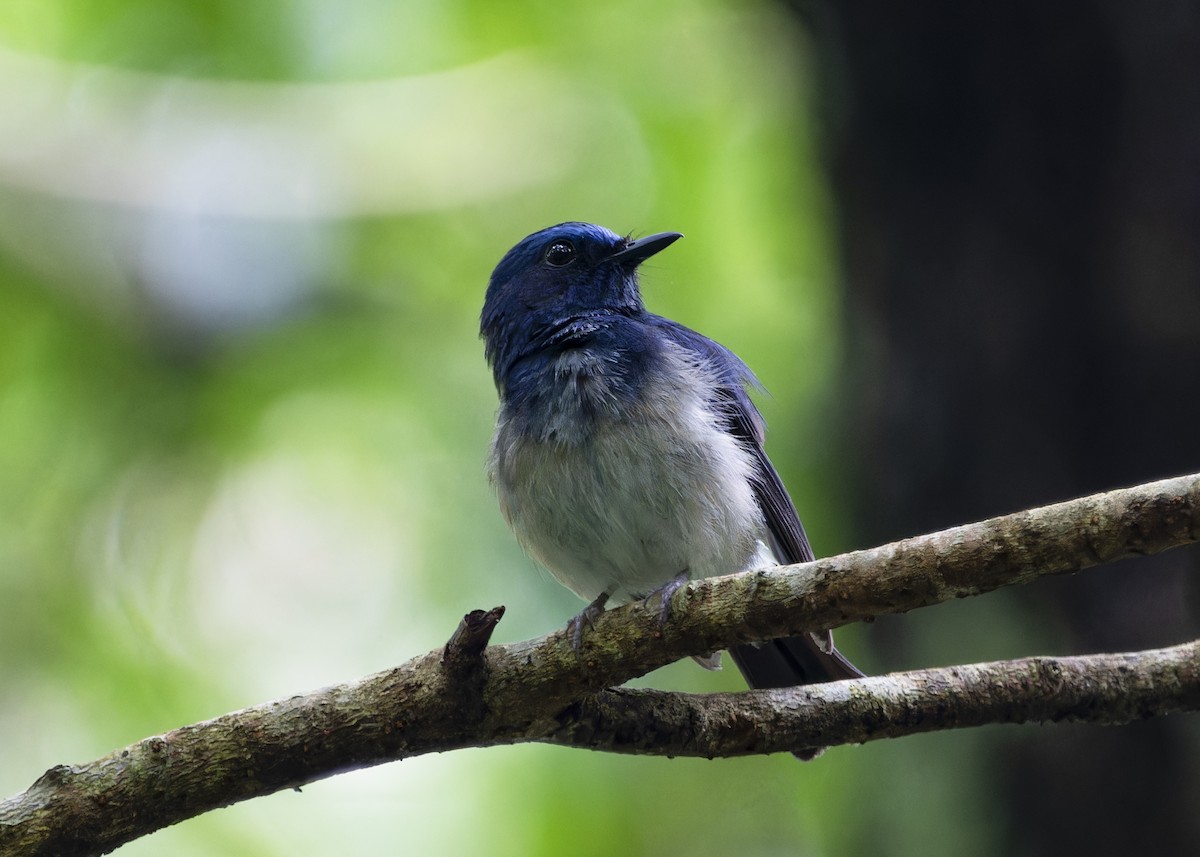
(790, 661)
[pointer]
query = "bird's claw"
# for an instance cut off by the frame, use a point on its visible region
(664, 594)
(585, 617)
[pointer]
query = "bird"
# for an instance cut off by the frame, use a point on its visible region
(627, 455)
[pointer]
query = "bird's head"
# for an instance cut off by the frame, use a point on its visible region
(557, 276)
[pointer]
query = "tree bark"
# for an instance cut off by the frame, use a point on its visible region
(466, 695)
(1109, 690)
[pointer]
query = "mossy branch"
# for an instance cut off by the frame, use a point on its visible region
(467, 694)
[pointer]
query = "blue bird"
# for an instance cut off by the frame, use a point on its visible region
(628, 457)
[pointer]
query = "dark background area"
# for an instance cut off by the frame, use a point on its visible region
(1018, 196)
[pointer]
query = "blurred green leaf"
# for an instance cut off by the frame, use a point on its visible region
(243, 404)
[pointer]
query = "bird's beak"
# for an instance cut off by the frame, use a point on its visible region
(636, 252)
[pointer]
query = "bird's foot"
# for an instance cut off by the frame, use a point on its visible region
(586, 616)
(664, 593)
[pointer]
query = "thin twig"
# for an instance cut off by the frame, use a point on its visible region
(1100, 689)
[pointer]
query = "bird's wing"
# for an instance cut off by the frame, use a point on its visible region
(792, 660)
(743, 421)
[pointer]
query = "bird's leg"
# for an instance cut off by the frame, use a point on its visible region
(664, 593)
(586, 616)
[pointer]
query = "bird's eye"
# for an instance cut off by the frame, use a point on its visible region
(560, 253)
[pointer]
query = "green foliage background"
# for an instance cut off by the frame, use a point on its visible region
(241, 445)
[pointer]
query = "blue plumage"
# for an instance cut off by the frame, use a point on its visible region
(628, 455)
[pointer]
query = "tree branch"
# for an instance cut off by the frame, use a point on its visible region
(465, 695)
(1101, 689)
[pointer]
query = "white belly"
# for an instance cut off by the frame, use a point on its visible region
(655, 491)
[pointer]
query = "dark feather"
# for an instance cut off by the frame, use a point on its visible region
(791, 660)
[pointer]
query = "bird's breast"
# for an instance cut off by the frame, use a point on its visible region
(620, 489)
